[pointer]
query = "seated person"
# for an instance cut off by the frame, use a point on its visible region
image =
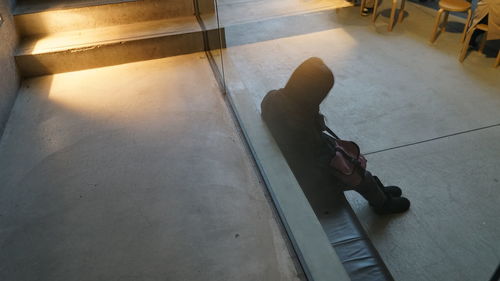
(293, 117)
(487, 12)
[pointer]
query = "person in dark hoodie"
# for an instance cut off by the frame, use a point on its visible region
(292, 115)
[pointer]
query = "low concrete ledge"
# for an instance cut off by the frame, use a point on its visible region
(317, 257)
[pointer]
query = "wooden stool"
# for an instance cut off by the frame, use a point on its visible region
(465, 47)
(448, 6)
(393, 12)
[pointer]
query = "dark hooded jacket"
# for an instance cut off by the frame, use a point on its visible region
(292, 115)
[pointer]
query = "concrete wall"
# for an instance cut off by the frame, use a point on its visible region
(9, 79)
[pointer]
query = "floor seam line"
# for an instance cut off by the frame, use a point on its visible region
(432, 139)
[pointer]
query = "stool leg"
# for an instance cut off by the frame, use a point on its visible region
(393, 15)
(465, 45)
(497, 62)
(436, 25)
(445, 21)
(375, 10)
(362, 6)
(402, 11)
(467, 24)
(483, 42)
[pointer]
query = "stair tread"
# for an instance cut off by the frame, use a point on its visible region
(35, 6)
(90, 38)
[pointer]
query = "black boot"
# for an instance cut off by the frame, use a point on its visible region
(393, 205)
(391, 190)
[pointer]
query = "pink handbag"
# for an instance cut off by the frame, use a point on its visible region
(347, 163)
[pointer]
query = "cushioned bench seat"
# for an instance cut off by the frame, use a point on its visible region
(360, 258)
(345, 233)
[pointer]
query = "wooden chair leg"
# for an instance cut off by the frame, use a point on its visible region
(465, 45)
(436, 25)
(483, 42)
(393, 15)
(497, 62)
(445, 22)
(401, 11)
(375, 10)
(467, 24)
(362, 6)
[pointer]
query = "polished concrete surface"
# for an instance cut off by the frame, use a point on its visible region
(133, 172)
(395, 89)
(452, 230)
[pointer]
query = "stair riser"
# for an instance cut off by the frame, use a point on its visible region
(111, 54)
(100, 16)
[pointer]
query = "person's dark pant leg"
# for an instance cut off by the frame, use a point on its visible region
(371, 191)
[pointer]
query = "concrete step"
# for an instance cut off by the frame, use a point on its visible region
(35, 17)
(112, 45)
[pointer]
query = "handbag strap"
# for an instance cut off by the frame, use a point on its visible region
(324, 127)
(331, 132)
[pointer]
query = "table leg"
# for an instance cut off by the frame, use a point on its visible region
(483, 42)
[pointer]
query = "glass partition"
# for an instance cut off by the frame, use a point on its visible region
(253, 66)
(213, 36)
(409, 104)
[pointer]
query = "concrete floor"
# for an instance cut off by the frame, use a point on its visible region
(133, 172)
(396, 89)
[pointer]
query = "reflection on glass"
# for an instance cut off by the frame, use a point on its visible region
(213, 35)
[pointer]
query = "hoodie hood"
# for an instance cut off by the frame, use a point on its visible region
(310, 83)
